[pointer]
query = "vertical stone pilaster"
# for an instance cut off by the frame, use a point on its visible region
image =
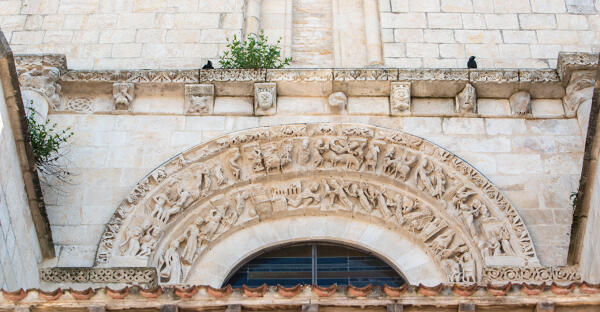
(373, 31)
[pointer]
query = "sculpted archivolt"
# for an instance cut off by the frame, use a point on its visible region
(173, 216)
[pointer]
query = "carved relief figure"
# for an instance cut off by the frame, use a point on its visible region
(431, 178)
(220, 175)
(334, 193)
(371, 157)
(398, 165)
(122, 95)
(234, 164)
(160, 201)
(150, 239)
(169, 265)
(400, 97)
(183, 200)
(308, 197)
(276, 161)
(304, 152)
(191, 236)
(203, 180)
(131, 245)
(355, 190)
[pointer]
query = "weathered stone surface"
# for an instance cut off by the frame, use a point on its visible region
(337, 102)
(199, 99)
(466, 100)
(265, 99)
(400, 98)
(224, 163)
(520, 103)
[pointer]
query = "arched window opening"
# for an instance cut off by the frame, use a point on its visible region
(315, 263)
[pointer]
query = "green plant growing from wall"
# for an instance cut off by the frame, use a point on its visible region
(48, 146)
(573, 197)
(254, 52)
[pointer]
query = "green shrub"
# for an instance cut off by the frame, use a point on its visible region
(47, 143)
(254, 52)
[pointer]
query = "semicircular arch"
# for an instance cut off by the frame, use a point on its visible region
(199, 198)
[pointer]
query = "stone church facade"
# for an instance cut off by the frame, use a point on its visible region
(377, 137)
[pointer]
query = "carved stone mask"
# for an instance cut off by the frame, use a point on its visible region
(265, 100)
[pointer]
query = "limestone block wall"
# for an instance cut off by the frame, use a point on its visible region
(535, 162)
(122, 33)
(128, 34)
(501, 33)
(19, 247)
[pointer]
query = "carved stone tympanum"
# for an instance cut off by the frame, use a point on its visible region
(123, 95)
(210, 192)
(199, 99)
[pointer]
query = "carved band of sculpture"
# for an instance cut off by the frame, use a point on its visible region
(209, 192)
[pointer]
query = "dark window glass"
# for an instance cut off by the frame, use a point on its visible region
(321, 264)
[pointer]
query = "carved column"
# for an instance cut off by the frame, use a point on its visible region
(252, 17)
(373, 31)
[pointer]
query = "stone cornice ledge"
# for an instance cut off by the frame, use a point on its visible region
(541, 83)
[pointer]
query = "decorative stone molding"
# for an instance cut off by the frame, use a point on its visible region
(573, 61)
(193, 201)
(495, 76)
(305, 75)
(79, 105)
(520, 103)
(400, 99)
(199, 99)
(466, 100)
(365, 74)
(579, 90)
(265, 99)
(130, 276)
(531, 274)
(135, 76)
(27, 62)
(208, 75)
(581, 7)
(337, 102)
(42, 79)
(518, 297)
(433, 74)
(123, 94)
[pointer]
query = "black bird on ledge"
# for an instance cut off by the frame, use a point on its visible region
(208, 65)
(471, 63)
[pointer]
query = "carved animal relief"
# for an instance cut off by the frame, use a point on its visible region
(172, 218)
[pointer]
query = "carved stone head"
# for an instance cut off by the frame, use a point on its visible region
(265, 99)
(400, 99)
(337, 101)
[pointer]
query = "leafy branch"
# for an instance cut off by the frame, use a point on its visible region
(254, 52)
(47, 144)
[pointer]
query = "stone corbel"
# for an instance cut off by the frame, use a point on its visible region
(579, 90)
(400, 98)
(199, 99)
(123, 94)
(520, 103)
(38, 78)
(466, 100)
(265, 99)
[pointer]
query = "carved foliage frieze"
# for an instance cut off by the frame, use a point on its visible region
(194, 200)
